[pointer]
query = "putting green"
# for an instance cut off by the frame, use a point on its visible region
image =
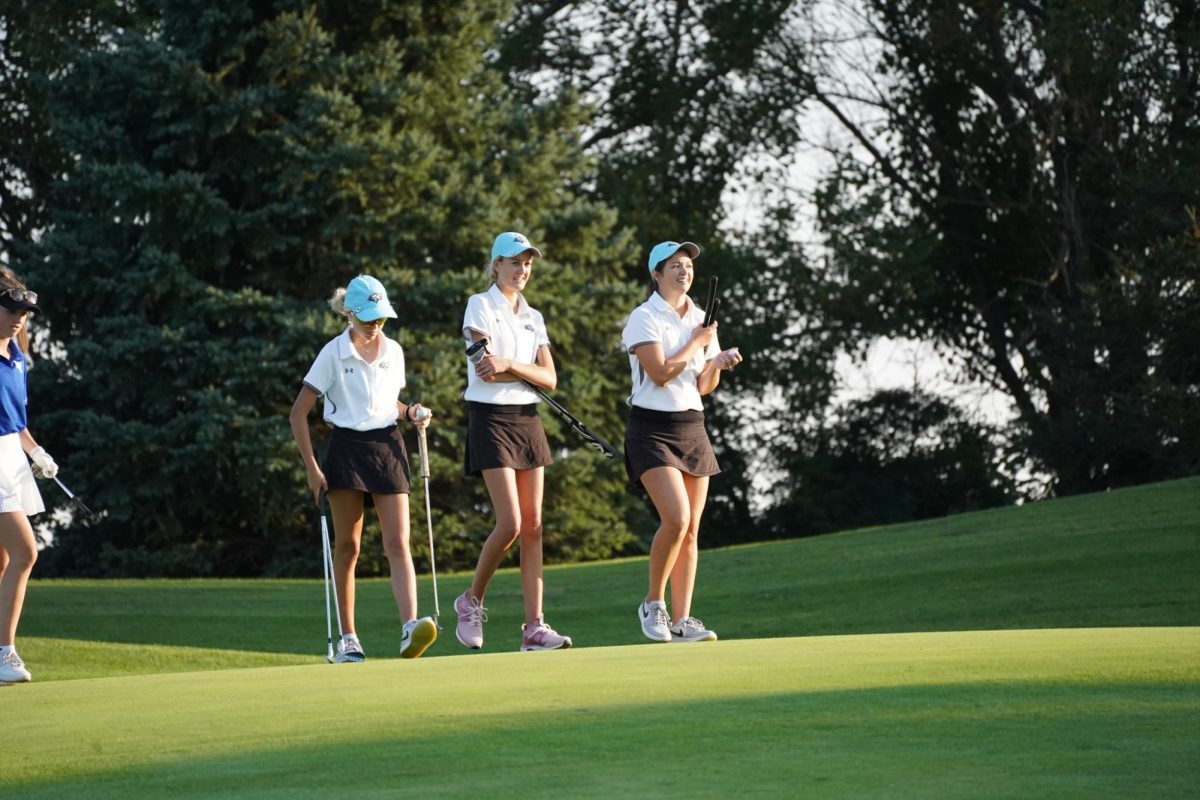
(1072, 712)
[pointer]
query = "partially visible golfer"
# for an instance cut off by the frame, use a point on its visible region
(674, 361)
(506, 443)
(19, 497)
(360, 374)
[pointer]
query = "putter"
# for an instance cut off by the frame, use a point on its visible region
(423, 446)
(82, 506)
(479, 349)
(327, 562)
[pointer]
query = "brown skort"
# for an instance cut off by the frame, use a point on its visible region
(667, 439)
(504, 436)
(375, 461)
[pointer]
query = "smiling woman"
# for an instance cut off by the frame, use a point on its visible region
(506, 444)
(19, 497)
(674, 360)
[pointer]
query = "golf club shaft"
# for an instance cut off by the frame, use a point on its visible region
(604, 447)
(423, 446)
(328, 612)
(82, 506)
(337, 609)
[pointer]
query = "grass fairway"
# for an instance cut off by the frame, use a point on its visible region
(1059, 713)
(1051, 650)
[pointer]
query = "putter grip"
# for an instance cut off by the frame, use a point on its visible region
(423, 448)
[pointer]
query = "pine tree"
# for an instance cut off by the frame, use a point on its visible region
(234, 164)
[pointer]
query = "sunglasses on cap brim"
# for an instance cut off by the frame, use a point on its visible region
(16, 298)
(20, 295)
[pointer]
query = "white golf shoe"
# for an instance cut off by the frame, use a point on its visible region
(656, 625)
(349, 650)
(418, 635)
(12, 668)
(690, 629)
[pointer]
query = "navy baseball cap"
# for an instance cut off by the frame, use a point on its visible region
(664, 250)
(19, 299)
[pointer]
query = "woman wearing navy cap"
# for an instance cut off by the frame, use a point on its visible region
(506, 443)
(674, 360)
(19, 497)
(360, 374)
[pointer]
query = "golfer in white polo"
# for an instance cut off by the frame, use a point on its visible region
(360, 373)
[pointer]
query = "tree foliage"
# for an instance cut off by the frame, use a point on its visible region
(233, 163)
(1026, 197)
(693, 101)
(39, 41)
(890, 457)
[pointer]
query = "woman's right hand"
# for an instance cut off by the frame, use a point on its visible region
(316, 484)
(704, 336)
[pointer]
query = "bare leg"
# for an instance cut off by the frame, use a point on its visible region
(669, 494)
(529, 491)
(393, 523)
(683, 574)
(18, 552)
(502, 487)
(346, 507)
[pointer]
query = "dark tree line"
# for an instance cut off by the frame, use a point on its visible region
(185, 184)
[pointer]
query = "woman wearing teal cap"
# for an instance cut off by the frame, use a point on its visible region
(674, 360)
(506, 444)
(360, 373)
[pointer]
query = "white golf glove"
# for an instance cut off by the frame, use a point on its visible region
(43, 464)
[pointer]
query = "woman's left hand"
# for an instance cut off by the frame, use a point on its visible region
(727, 359)
(420, 415)
(490, 366)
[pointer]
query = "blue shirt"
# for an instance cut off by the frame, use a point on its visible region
(14, 395)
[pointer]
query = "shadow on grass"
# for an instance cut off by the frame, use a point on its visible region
(999, 740)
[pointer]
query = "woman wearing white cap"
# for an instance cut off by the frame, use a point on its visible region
(506, 443)
(19, 497)
(360, 374)
(674, 361)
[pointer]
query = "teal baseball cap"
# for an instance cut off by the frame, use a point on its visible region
(512, 244)
(664, 250)
(367, 298)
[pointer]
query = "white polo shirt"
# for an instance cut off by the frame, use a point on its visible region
(358, 395)
(655, 321)
(510, 335)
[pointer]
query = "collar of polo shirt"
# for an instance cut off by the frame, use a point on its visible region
(661, 305)
(497, 297)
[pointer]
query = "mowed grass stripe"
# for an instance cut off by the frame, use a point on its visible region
(892, 714)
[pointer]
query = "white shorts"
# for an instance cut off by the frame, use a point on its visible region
(18, 488)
